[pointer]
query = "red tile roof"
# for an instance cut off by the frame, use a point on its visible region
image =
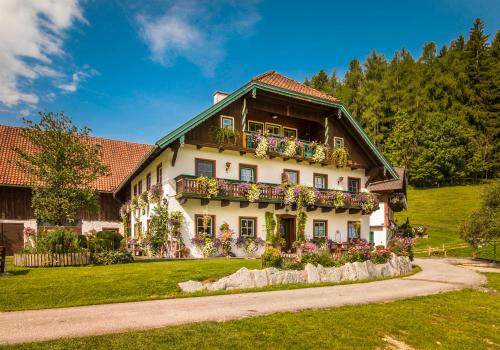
(390, 185)
(121, 157)
(278, 80)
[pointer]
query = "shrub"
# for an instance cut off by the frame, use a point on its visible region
(321, 257)
(271, 257)
(401, 246)
(291, 264)
(105, 240)
(110, 257)
(361, 251)
(57, 240)
(381, 255)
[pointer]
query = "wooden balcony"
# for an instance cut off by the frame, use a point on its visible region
(230, 191)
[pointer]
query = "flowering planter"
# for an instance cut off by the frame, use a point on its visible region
(50, 260)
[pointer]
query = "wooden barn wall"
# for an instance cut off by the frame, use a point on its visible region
(15, 204)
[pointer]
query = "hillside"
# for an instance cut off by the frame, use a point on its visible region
(442, 210)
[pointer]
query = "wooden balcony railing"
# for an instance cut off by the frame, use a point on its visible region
(307, 151)
(189, 187)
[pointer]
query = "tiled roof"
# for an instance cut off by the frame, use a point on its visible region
(390, 185)
(278, 80)
(120, 156)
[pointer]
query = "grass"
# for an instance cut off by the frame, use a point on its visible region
(442, 210)
(39, 288)
(467, 319)
(43, 288)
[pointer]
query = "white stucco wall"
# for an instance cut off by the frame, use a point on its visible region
(268, 170)
(99, 225)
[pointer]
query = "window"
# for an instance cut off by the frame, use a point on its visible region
(273, 130)
(139, 187)
(290, 133)
(159, 174)
(247, 227)
(338, 141)
(148, 181)
(205, 225)
(319, 229)
(226, 122)
(248, 173)
(353, 184)
(353, 230)
(256, 127)
(135, 190)
(320, 181)
(291, 176)
(205, 167)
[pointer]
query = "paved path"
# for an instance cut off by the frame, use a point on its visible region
(26, 326)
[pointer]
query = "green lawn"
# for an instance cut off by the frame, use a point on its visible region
(442, 210)
(468, 319)
(70, 286)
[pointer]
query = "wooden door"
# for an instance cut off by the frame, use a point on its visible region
(11, 236)
(288, 225)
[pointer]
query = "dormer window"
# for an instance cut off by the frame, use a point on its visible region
(226, 122)
(338, 141)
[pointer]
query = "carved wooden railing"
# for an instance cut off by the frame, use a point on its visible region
(189, 187)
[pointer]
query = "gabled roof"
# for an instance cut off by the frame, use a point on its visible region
(279, 84)
(120, 156)
(395, 185)
(276, 79)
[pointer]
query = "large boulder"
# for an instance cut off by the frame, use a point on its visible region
(274, 276)
(361, 270)
(260, 278)
(394, 262)
(405, 264)
(373, 272)
(243, 278)
(293, 276)
(312, 274)
(331, 274)
(349, 272)
(220, 284)
(191, 286)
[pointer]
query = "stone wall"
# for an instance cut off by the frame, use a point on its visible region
(245, 278)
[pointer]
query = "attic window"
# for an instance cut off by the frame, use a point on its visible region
(226, 122)
(338, 141)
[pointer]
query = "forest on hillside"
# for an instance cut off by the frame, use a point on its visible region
(438, 114)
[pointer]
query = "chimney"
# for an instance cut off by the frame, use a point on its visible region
(219, 96)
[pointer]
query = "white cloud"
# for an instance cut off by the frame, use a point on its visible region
(196, 31)
(31, 36)
(77, 78)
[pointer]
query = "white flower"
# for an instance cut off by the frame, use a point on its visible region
(290, 149)
(261, 150)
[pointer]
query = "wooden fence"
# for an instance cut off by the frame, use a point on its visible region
(443, 249)
(45, 260)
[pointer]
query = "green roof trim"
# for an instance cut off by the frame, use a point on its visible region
(200, 118)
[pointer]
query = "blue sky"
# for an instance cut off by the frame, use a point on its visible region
(133, 71)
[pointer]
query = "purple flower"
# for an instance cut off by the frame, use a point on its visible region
(296, 191)
(244, 186)
(278, 190)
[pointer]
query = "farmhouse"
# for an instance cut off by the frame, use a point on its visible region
(274, 149)
(15, 192)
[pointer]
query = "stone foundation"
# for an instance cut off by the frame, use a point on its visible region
(245, 278)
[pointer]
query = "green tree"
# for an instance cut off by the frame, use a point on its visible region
(62, 168)
(483, 226)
